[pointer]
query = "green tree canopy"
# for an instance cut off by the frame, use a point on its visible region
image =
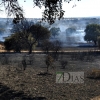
(13, 42)
(27, 35)
(39, 32)
(92, 31)
(55, 31)
(70, 30)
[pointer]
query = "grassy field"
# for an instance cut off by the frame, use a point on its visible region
(33, 84)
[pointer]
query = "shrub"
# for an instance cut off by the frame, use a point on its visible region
(49, 61)
(4, 59)
(57, 45)
(21, 66)
(94, 73)
(63, 63)
(24, 64)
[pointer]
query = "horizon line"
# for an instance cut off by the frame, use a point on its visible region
(61, 18)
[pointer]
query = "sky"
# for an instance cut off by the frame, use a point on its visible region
(83, 8)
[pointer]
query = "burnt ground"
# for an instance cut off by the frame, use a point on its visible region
(32, 84)
(8, 94)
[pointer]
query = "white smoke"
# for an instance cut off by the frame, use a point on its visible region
(72, 39)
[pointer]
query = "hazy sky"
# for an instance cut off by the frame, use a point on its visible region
(83, 8)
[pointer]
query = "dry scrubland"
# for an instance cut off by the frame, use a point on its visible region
(44, 87)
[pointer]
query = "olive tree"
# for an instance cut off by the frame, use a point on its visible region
(13, 42)
(92, 31)
(53, 9)
(30, 33)
(55, 31)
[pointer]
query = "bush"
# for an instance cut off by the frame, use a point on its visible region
(94, 73)
(49, 61)
(63, 63)
(24, 65)
(4, 59)
(21, 66)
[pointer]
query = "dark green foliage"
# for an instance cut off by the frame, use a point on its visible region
(70, 31)
(98, 41)
(92, 32)
(55, 31)
(39, 32)
(26, 36)
(15, 42)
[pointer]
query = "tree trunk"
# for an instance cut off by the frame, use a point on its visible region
(56, 55)
(95, 43)
(47, 68)
(30, 49)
